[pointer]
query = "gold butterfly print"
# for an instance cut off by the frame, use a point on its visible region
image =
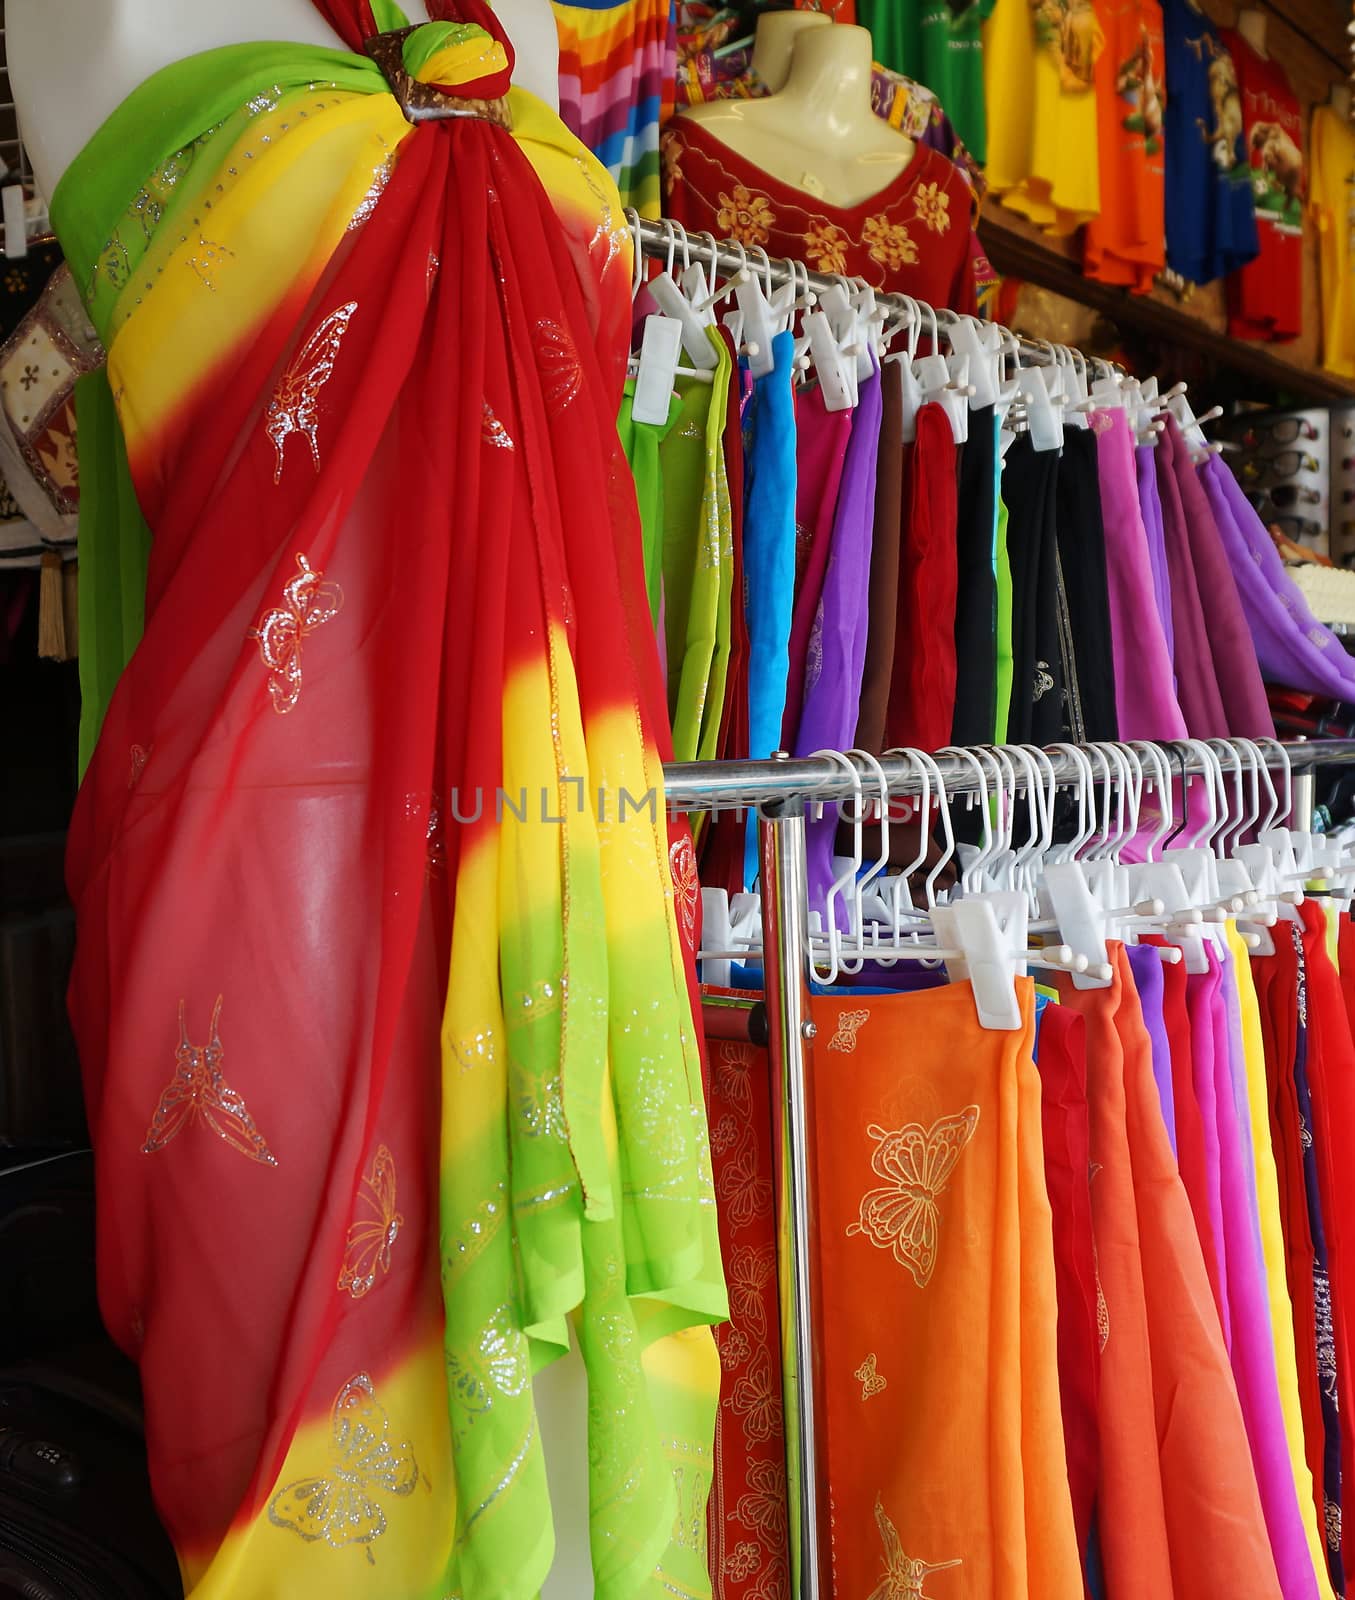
(849, 1024)
(755, 1399)
(371, 1238)
(871, 1382)
(763, 1508)
(751, 1271)
(308, 603)
(731, 1065)
(917, 1161)
(744, 1193)
(295, 406)
(340, 1508)
(199, 1091)
(904, 1577)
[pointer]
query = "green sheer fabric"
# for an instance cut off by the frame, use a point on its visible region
(114, 548)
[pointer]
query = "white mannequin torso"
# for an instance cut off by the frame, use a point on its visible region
(73, 62)
(819, 133)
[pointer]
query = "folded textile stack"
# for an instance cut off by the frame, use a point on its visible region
(1329, 591)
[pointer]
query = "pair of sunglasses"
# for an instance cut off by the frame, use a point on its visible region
(1286, 431)
(1284, 465)
(1289, 495)
(1298, 527)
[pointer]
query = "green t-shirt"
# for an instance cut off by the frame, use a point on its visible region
(940, 44)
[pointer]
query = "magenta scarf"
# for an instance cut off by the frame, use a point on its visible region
(1236, 671)
(1251, 1347)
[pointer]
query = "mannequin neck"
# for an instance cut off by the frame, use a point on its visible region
(1340, 99)
(1252, 26)
(830, 73)
(774, 43)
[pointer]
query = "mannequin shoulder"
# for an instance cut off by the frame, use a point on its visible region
(713, 115)
(73, 62)
(725, 122)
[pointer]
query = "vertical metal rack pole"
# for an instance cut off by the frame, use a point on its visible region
(1305, 794)
(785, 925)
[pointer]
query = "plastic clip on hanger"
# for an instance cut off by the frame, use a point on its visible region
(912, 396)
(733, 320)
(871, 320)
(673, 303)
(754, 304)
(840, 306)
(837, 375)
(982, 343)
(1068, 897)
(1041, 415)
(939, 383)
(1075, 385)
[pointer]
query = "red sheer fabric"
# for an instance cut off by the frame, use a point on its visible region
(1331, 1076)
(922, 694)
(748, 1513)
(298, 867)
(1061, 1058)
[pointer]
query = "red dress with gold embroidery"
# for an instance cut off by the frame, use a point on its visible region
(913, 237)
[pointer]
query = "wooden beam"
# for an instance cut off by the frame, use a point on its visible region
(1321, 22)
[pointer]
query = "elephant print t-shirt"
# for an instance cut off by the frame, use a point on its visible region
(1265, 300)
(1211, 217)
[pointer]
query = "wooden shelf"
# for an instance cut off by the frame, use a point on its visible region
(1308, 39)
(1016, 252)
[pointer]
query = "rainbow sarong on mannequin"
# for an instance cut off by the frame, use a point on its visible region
(382, 989)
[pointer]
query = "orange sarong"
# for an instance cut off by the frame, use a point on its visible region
(945, 1456)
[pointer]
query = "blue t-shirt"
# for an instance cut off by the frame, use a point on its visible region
(1211, 215)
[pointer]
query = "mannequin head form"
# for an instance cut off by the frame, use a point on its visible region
(774, 43)
(830, 73)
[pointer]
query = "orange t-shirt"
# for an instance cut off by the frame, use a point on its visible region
(1126, 244)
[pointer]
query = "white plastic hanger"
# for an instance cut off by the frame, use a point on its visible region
(982, 343)
(672, 302)
(1041, 417)
(753, 296)
(906, 360)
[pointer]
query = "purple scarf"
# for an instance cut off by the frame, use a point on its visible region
(1151, 503)
(837, 645)
(1146, 965)
(1292, 647)
(1145, 696)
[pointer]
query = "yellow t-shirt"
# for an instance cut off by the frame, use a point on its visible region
(1331, 167)
(1039, 58)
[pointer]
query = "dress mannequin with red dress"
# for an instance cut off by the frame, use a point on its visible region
(858, 198)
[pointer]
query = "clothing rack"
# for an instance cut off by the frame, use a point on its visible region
(658, 239)
(781, 791)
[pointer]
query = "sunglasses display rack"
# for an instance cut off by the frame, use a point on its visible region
(1298, 468)
(1343, 483)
